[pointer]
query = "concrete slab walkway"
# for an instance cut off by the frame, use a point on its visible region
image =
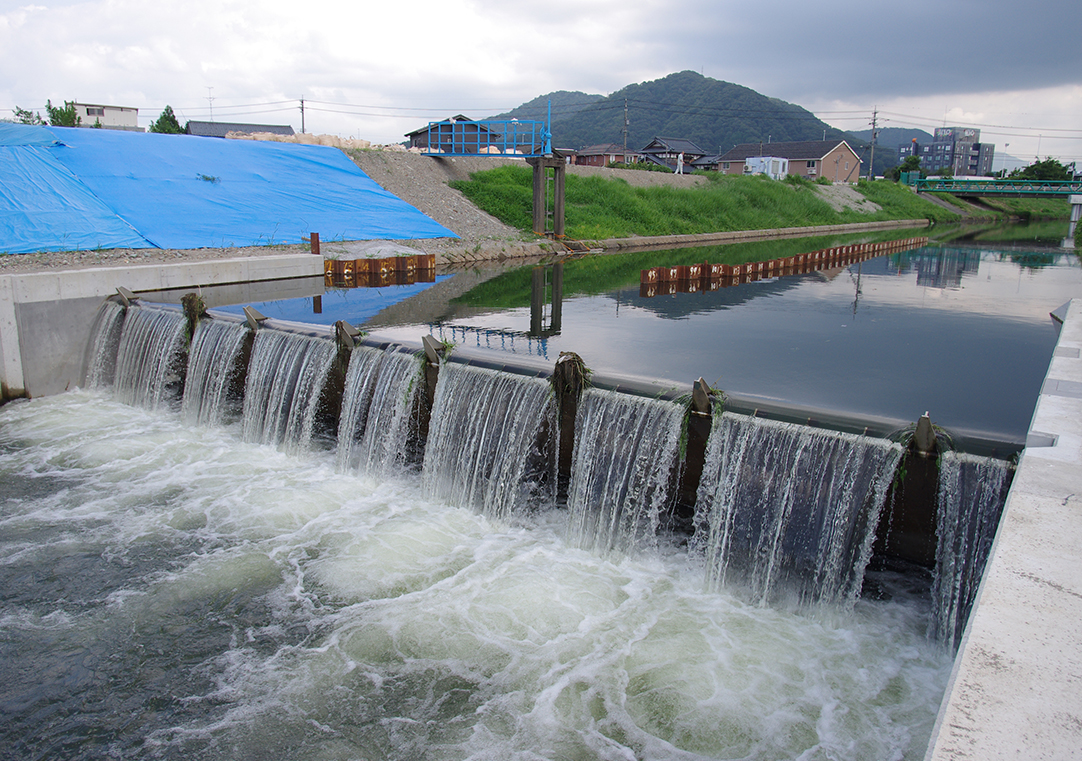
(1016, 688)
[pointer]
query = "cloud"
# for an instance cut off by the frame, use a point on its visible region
(378, 70)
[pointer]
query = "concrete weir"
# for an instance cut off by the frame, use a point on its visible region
(1016, 688)
(41, 347)
(1014, 691)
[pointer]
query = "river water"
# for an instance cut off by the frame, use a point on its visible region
(959, 327)
(175, 591)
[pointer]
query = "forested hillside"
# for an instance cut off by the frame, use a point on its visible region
(715, 115)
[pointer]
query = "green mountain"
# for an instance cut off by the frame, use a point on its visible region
(564, 104)
(715, 115)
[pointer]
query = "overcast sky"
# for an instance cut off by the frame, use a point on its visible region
(378, 70)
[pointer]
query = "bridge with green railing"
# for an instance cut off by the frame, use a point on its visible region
(1003, 188)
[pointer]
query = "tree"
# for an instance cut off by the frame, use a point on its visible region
(25, 116)
(911, 164)
(1049, 169)
(62, 117)
(167, 123)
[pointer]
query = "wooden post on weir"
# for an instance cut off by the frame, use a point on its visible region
(541, 178)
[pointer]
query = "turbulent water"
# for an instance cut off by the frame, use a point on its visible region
(788, 511)
(176, 592)
(972, 491)
(483, 448)
(626, 451)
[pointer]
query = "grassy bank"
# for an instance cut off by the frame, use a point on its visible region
(1030, 208)
(599, 208)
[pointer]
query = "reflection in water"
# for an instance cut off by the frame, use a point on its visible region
(963, 333)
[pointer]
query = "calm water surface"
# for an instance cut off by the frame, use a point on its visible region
(959, 330)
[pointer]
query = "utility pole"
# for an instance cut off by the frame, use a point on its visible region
(625, 130)
(210, 101)
(871, 161)
(302, 116)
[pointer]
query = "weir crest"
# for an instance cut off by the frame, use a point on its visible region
(777, 511)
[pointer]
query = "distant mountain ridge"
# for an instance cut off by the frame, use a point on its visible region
(892, 137)
(715, 115)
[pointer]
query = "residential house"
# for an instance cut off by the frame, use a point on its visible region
(604, 154)
(706, 163)
(221, 129)
(458, 134)
(676, 154)
(107, 117)
(833, 159)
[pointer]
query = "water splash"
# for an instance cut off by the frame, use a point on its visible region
(103, 345)
(214, 365)
(972, 491)
(626, 452)
(379, 400)
(483, 440)
(150, 357)
(789, 511)
(282, 395)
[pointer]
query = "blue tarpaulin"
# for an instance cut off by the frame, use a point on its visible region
(71, 189)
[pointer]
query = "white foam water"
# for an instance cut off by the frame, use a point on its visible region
(787, 511)
(174, 592)
(483, 439)
(626, 453)
(971, 494)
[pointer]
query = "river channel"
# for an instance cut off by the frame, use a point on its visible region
(176, 591)
(959, 328)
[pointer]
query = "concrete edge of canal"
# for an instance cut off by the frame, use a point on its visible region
(1016, 687)
(42, 345)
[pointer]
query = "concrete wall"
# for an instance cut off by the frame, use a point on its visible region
(45, 318)
(1016, 688)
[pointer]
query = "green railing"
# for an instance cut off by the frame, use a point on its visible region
(964, 187)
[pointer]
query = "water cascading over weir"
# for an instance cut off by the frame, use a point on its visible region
(777, 511)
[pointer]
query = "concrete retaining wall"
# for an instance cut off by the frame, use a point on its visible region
(1016, 688)
(45, 317)
(709, 239)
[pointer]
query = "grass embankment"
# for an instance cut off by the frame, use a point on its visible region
(599, 208)
(1029, 208)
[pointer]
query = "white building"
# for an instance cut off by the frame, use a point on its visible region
(109, 117)
(773, 167)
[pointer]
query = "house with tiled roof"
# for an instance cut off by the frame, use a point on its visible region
(456, 134)
(673, 152)
(605, 154)
(221, 129)
(833, 159)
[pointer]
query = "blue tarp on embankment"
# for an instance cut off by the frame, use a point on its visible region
(77, 189)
